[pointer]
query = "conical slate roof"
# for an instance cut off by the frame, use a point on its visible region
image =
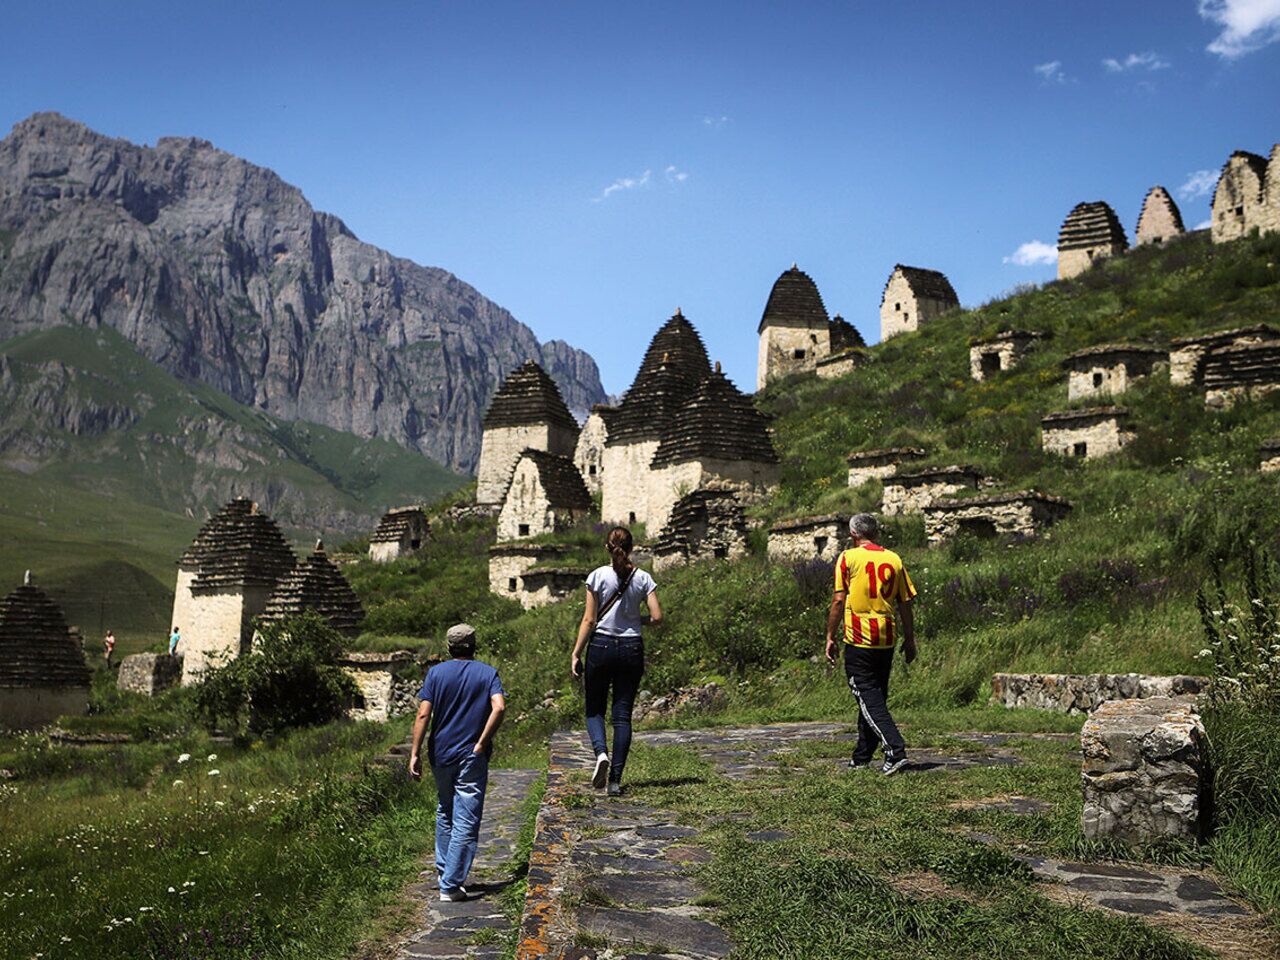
(794, 301)
(717, 423)
(560, 480)
(36, 648)
(1158, 210)
(316, 584)
(844, 335)
(238, 546)
(528, 396)
(925, 284)
(673, 366)
(1091, 224)
(397, 522)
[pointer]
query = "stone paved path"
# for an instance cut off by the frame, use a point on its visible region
(475, 928)
(624, 873)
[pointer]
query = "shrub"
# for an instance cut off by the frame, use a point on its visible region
(289, 678)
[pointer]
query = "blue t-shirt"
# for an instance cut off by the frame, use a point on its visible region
(459, 692)
(623, 618)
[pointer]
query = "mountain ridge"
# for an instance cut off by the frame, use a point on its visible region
(220, 271)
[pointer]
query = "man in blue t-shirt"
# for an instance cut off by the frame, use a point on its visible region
(462, 699)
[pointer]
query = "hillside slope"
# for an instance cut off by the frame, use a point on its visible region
(222, 273)
(84, 408)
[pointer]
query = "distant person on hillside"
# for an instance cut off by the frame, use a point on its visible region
(175, 638)
(869, 581)
(615, 656)
(108, 647)
(463, 701)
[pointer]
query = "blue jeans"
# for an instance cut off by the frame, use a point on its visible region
(613, 664)
(460, 791)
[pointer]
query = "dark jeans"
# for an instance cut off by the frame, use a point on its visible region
(613, 663)
(868, 675)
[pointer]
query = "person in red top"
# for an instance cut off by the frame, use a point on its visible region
(870, 582)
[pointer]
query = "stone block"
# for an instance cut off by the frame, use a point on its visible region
(1084, 693)
(149, 673)
(1145, 772)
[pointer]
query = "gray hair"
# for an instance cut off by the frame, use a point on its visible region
(864, 525)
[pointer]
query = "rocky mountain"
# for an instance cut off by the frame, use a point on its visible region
(222, 273)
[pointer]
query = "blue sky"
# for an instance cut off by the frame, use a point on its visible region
(592, 166)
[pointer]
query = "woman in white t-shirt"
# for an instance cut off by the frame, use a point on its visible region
(615, 657)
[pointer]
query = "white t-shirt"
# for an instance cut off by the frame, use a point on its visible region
(623, 618)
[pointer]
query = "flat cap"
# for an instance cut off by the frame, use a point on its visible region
(461, 634)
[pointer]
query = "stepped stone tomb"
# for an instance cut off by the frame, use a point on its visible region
(1090, 233)
(380, 695)
(867, 465)
(509, 561)
(546, 495)
(1084, 693)
(795, 331)
(1023, 513)
(912, 492)
(149, 674)
(1269, 455)
(224, 581)
(673, 367)
(1089, 433)
(704, 525)
(542, 586)
(1004, 351)
(1160, 219)
(1146, 771)
(717, 438)
(848, 351)
(1187, 354)
(401, 533)
(1247, 196)
(588, 457)
(914, 296)
(527, 413)
(316, 585)
(43, 674)
(1109, 369)
(1245, 372)
(808, 538)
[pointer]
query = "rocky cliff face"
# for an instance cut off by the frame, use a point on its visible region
(221, 272)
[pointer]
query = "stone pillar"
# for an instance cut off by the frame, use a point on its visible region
(1145, 774)
(149, 673)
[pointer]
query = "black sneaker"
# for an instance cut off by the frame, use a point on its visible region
(893, 764)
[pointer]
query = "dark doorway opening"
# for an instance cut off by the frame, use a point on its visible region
(979, 528)
(1081, 449)
(990, 364)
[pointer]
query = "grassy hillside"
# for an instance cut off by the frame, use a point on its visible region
(186, 447)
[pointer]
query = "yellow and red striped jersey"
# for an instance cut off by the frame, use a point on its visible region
(872, 580)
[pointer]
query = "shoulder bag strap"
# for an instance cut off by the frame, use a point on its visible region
(622, 588)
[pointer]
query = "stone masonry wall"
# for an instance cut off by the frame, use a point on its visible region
(901, 312)
(149, 673)
(384, 552)
(1011, 353)
(589, 455)
(1100, 437)
(1269, 460)
(381, 695)
(218, 628)
(834, 367)
(1074, 262)
(900, 498)
(626, 482)
(669, 484)
(779, 346)
(823, 541)
(1104, 377)
(526, 504)
(33, 708)
(1024, 518)
(501, 447)
(1084, 693)
(1145, 773)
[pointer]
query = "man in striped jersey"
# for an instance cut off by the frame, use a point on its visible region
(870, 581)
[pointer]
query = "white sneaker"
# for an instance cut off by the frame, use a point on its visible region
(455, 896)
(601, 775)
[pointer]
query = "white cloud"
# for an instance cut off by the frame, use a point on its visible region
(714, 121)
(624, 183)
(1050, 72)
(1136, 61)
(1203, 225)
(1247, 25)
(675, 175)
(1200, 183)
(1033, 253)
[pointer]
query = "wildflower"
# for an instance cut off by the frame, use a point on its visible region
(172, 890)
(214, 773)
(177, 783)
(211, 757)
(184, 758)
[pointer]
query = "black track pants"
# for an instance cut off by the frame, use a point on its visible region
(868, 674)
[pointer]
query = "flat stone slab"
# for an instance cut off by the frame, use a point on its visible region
(1140, 891)
(690, 936)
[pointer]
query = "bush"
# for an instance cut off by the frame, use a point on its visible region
(290, 678)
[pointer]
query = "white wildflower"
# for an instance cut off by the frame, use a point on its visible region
(184, 758)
